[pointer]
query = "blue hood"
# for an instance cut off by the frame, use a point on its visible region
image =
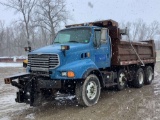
(47, 50)
(56, 48)
(73, 54)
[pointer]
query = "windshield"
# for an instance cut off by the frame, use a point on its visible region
(77, 35)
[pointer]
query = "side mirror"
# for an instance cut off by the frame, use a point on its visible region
(64, 48)
(104, 34)
(27, 49)
(124, 31)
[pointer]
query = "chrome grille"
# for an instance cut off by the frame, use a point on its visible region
(43, 62)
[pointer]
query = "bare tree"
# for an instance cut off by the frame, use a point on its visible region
(50, 14)
(25, 8)
(139, 30)
(142, 32)
(153, 30)
(2, 37)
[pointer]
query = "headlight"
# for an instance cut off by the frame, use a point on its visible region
(69, 74)
(64, 74)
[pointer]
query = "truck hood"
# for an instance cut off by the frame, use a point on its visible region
(56, 48)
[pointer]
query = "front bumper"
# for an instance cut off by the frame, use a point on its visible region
(41, 81)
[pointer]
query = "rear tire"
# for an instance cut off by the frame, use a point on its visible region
(121, 80)
(149, 75)
(139, 78)
(88, 92)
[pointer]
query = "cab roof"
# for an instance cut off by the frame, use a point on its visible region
(102, 23)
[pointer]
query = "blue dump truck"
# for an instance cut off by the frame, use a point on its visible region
(83, 59)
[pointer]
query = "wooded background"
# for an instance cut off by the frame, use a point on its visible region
(41, 19)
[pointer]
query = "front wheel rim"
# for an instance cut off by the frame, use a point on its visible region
(91, 90)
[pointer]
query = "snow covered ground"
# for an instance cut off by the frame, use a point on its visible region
(15, 57)
(3, 64)
(129, 104)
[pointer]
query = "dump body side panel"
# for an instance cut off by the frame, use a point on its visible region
(124, 54)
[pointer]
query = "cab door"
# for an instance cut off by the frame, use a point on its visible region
(101, 51)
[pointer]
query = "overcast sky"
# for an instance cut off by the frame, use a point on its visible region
(92, 10)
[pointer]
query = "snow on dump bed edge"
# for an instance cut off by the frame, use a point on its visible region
(2, 64)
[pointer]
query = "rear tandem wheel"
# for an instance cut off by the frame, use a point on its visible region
(121, 79)
(149, 75)
(138, 81)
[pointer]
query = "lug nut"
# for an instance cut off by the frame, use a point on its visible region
(28, 93)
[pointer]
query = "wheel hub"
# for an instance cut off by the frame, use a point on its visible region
(91, 90)
(121, 79)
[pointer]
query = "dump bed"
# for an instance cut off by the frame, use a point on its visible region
(126, 52)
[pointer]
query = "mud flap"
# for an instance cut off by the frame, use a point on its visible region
(109, 78)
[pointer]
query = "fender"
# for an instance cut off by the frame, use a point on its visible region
(79, 67)
(87, 72)
(97, 73)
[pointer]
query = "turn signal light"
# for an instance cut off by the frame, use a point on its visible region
(70, 74)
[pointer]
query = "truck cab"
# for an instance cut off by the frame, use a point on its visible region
(74, 50)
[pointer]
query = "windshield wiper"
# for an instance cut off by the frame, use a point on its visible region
(74, 41)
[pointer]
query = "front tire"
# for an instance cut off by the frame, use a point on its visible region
(88, 92)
